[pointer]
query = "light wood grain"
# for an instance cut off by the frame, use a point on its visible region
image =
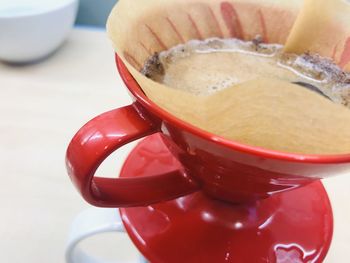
(41, 107)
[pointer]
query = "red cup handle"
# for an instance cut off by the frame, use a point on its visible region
(101, 137)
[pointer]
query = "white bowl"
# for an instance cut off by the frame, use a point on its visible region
(32, 29)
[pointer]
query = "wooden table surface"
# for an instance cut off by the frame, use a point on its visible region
(41, 107)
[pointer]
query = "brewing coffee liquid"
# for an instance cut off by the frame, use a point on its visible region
(209, 66)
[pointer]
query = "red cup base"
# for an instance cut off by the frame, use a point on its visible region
(290, 227)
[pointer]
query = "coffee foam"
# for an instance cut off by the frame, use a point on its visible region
(212, 80)
(193, 67)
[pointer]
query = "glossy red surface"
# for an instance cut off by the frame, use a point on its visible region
(102, 136)
(290, 227)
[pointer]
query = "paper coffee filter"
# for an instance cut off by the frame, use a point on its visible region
(258, 112)
(277, 115)
(323, 27)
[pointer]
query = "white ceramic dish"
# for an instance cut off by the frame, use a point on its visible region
(32, 29)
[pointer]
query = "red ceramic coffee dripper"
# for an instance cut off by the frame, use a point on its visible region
(250, 181)
(221, 168)
(200, 197)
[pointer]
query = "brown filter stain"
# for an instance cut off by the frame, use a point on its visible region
(345, 57)
(221, 34)
(146, 49)
(232, 21)
(132, 60)
(193, 22)
(263, 27)
(177, 32)
(334, 52)
(157, 38)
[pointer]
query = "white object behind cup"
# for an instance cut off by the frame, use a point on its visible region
(90, 223)
(33, 29)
